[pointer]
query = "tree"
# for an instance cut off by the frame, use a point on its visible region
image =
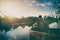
(56, 5)
(4, 25)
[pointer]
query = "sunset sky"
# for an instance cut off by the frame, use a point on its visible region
(19, 8)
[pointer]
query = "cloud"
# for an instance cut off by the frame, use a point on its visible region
(30, 2)
(26, 7)
(33, 1)
(40, 4)
(43, 4)
(49, 3)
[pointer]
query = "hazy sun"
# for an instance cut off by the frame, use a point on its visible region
(11, 9)
(19, 9)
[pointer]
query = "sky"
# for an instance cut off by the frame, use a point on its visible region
(19, 8)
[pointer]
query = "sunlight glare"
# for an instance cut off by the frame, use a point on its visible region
(12, 10)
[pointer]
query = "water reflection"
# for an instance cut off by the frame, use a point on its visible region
(20, 33)
(3, 36)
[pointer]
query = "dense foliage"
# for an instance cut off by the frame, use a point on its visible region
(5, 25)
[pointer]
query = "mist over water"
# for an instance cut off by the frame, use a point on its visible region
(54, 25)
(3, 36)
(19, 33)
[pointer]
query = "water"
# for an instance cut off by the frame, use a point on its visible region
(22, 33)
(19, 33)
(54, 25)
